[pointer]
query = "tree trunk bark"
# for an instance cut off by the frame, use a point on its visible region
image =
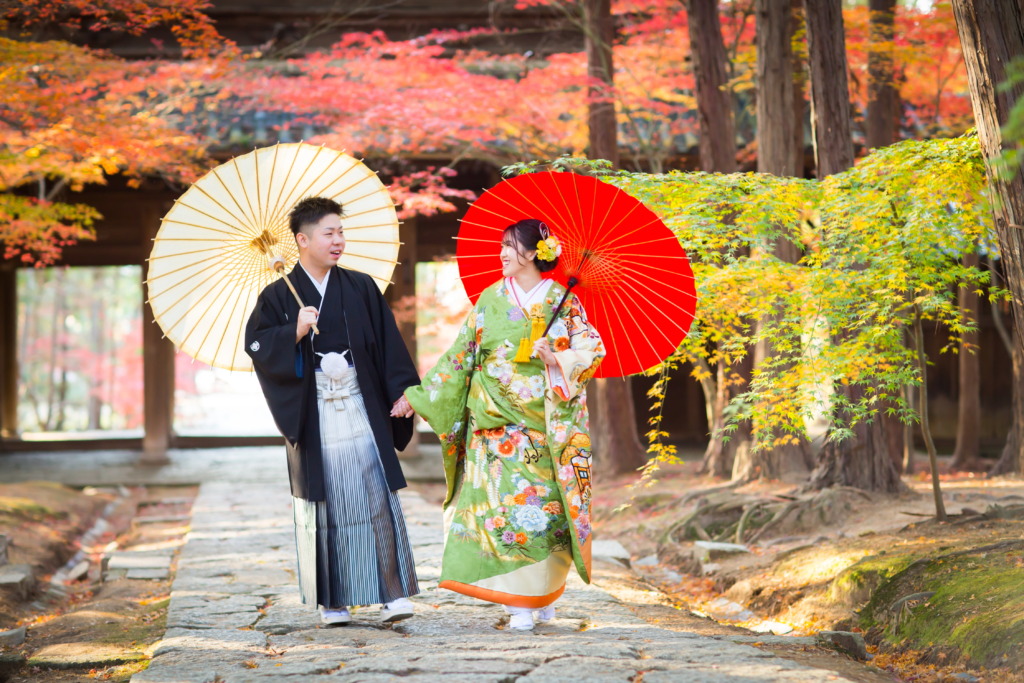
(967, 452)
(617, 447)
(720, 454)
(991, 36)
(883, 115)
(613, 431)
(599, 35)
(776, 155)
(714, 99)
(797, 25)
(863, 460)
(775, 92)
(1012, 458)
(830, 92)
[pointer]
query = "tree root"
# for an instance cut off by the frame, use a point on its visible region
(741, 526)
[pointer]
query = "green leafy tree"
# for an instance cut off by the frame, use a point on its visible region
(881, 246)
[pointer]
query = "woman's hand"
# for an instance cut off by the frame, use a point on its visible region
(542, 349)
(402, 408)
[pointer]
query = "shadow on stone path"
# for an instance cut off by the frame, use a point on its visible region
(235, 616)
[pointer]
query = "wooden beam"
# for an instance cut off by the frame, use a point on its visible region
(157, 372)
(8, 352)
(405, 286)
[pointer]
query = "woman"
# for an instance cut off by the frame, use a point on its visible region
(509, 406)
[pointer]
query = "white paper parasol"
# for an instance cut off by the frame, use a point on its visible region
(218, 246)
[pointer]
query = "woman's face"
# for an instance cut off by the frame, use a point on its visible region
(513, 260)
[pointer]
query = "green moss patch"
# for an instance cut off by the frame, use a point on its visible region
(24, 508)
(858, 583)
(970, 601)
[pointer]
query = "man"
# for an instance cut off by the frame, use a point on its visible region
(336, 395)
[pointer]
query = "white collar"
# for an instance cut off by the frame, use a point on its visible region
(536, 295)
(320, 286)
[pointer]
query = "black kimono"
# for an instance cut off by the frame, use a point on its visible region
(286, 370)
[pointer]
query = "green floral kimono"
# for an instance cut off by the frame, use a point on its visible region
(516, 450)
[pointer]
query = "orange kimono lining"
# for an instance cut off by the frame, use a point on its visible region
(531, 601)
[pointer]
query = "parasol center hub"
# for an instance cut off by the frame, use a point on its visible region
(264, 242)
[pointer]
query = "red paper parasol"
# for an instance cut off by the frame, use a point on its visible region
(634, 278)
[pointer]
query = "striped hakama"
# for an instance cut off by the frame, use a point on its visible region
(352, 548)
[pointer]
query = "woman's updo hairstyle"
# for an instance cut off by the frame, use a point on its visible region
(527, 233)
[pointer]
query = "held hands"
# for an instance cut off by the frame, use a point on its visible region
(307, 318)
(402, 408)
(542, 349)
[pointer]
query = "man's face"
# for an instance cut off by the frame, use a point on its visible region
(323, 242)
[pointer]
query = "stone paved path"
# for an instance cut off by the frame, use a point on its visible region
(235, 616)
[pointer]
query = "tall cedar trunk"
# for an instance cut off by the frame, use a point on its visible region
(599, 34)
(776, 155)
(863, 460)
(830, 92)
(717, 153)
(991, 36)
(882, 124)
(714, 100)
(883, 114)
(721, 454)
(967, 453)
(613, 412)
(860, 461)
(796, 24)
(1012, 458)
(775, 92)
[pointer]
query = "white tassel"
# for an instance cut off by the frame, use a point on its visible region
(335, 365)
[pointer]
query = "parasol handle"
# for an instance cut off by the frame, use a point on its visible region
(278, 265)
(572, 282)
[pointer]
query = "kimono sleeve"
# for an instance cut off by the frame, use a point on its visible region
(441, 398)
(270, 341)
(278, 362)
(578, 349)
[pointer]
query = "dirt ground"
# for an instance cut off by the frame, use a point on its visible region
(649, 600)
(95, 626)
(827, 565)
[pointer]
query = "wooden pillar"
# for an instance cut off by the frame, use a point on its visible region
(157, 370)
(405, 286)
(8, 352)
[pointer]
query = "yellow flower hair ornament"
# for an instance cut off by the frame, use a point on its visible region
(549, 249)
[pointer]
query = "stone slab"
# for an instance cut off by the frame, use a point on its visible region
(17, 581)
(82, 656)
(224, 641)
(13, 637)
(610, 551)
(711, 550)
(148, 574)
(139, 560)
(162, 519)
(4, 543)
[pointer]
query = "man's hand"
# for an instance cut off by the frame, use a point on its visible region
(307, 318)
(542, 349)
(402, 408)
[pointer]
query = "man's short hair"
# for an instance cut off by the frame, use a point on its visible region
(310, 210)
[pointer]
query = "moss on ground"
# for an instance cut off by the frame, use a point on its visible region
(859, 582)
(977, 607)
(16, 508)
